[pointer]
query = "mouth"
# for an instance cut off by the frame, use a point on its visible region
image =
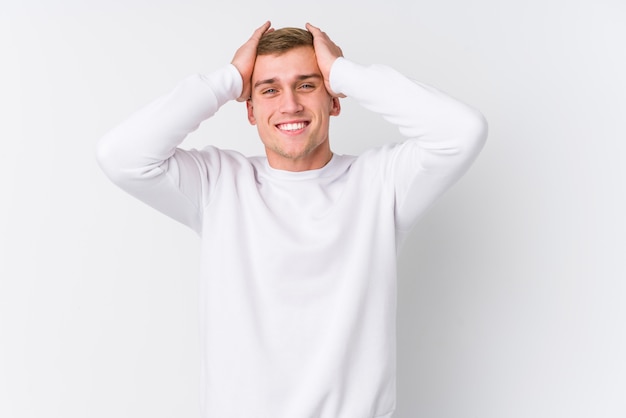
(292, 127)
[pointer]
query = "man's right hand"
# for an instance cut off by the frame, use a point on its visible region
(245, 57)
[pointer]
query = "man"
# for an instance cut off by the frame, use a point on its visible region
(298, 247)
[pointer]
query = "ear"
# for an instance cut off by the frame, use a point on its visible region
(250, 109)
(335, 106)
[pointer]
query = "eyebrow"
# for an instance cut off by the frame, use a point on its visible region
(298, 78)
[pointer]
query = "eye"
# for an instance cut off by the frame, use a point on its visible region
(269, 91)
(307, 86)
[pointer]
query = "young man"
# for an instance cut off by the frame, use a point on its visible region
(298, 247)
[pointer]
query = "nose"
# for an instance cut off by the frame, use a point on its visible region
(289, 102)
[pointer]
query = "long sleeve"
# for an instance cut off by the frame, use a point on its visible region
(141, 154)
(443, 136)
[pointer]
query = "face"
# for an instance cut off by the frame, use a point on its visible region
(291, 108)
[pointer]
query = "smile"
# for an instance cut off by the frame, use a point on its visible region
(290, 127)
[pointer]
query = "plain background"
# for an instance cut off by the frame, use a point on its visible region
(512, 288)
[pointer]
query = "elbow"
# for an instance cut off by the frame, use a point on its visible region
(483, 128)
(106, 158)
(475, 130)
(102, 152)
(123, 164)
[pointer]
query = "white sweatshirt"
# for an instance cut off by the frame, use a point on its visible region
(298, 268)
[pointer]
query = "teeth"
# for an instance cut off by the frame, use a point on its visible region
(291, 126)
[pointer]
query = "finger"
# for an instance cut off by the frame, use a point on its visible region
(260, 31)
(312, 28)
(317, 32)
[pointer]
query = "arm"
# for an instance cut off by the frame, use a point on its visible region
(142, 156)
(442, 135)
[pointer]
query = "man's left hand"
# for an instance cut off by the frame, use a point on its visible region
(326, 52)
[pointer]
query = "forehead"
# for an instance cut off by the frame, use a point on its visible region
(286, 66)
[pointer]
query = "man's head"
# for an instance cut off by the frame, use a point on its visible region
(289, 103)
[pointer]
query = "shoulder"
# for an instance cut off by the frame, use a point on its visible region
(213, 159)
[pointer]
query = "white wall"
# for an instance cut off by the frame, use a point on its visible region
(512, 287)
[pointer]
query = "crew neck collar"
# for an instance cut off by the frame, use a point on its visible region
(303, 175)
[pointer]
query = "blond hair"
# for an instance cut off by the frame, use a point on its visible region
(283, 40)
